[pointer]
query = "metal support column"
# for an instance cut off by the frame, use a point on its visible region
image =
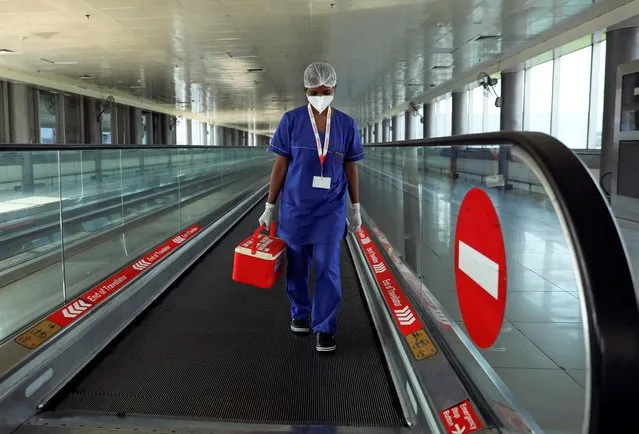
(135, 125)
(460, 113)
(459, 125)
(412, 215)
(189, 131)
(150, 133)
(5, 126)
(116, 137)
(22, 127)
(124, 121)
(377, 132)
(385, 131)
(60, 119)
(511, 114)
(167, 133)
(622, 46)
(395, 128)
(428, 117)
(92, 126)
(408, 126)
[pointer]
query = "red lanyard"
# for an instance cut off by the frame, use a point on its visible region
(321, 152)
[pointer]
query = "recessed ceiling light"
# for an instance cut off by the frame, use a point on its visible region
(85, 77)
(241, 54)
(62, 62)
(6, 51)
(484, 37)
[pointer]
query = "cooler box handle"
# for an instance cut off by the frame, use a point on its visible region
(257, 234)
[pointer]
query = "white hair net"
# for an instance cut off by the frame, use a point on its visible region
(319, 74)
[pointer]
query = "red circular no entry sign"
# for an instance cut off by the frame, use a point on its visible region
(480, 268)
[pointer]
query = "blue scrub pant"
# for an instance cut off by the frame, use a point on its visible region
(328, 292)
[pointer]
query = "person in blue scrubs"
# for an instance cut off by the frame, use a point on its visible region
(315, 171)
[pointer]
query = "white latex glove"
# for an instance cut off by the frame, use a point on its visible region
(354, 218)
(267, 217)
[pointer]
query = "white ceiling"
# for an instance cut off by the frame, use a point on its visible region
(196, 54)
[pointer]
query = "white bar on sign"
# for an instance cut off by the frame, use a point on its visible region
(483, 270)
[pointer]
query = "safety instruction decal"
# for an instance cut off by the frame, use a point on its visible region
(406, 318)
(78, 307)
(421, 345)
(461, 418)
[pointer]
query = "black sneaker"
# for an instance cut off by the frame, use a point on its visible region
(325, 343)
(300, 326)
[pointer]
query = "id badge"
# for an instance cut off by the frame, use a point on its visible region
(322, 182)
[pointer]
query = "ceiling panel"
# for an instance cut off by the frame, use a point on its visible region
(241, 61)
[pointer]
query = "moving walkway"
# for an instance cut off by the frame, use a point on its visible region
(156, 337)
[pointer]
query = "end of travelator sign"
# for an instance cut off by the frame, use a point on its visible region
(406, 318)
(72, 311)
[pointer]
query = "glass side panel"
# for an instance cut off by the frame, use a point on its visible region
(31, 252)
(212, 178)
(112, 205)
(91, 213)
(537, 344)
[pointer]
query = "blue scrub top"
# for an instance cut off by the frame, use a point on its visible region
(312, 215)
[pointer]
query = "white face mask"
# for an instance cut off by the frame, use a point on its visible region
(320, 103)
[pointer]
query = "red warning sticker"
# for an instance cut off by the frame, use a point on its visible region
(99, 293)
(403, 312)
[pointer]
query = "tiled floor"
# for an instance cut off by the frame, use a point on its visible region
(540, 353)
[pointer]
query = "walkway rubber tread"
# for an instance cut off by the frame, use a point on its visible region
(214, 349)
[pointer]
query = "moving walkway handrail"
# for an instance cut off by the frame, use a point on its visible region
(18, 147)
(608, 298)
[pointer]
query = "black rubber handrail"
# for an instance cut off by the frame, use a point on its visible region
(17, 147)
(608, 288)
(607, 282)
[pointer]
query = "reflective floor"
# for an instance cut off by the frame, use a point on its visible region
(541, 345)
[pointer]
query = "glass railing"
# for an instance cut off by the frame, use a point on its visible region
(497, 239)
(70, 217)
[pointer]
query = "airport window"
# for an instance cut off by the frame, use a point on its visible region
(598, 75)
(418, 127)
(196, 132)
(47, 116)
(476, 110)
(492, 113)
(182, 132)
(432, 120)
(574, 98)
(538, 97)
(442, 125)
(72, 119)
(401, 127)
(448, 107)
(145, 127)
(106, 129)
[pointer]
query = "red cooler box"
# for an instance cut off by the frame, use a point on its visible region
(260, 260)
